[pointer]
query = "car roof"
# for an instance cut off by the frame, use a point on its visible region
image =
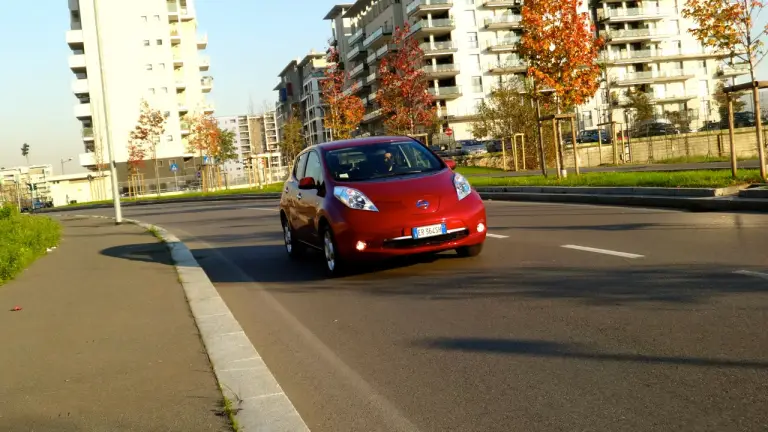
(359, 142)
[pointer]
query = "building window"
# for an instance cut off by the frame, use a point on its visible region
(144, 18)
(159, 163)
(475, 60)
(151, 91)
(703, 88)
(586, 117)
(146, 42)
(157, 18)
(165, 90)
(169, 138)
(148, 67)
(159, 41)
(472, 40)
(477, 84)
(469, 2)
(471, 18)
(162, 66)
(703, 66)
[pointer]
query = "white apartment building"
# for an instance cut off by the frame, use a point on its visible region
(239, 127)
(23, 176)
(150, 49)
(312, 104)
(471, 45)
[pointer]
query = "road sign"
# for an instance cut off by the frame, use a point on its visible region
(174, 167)
(449, 131)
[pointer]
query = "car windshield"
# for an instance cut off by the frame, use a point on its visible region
(374, 161)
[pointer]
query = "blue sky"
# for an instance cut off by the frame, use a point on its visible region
(249, 41)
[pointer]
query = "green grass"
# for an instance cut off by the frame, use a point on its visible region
(23, 239)
(689, 179)
(230, 411)
(473, 170)
(272, 188)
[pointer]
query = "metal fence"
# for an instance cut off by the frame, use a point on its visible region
(193, 183)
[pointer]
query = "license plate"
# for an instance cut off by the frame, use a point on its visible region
(428, 231)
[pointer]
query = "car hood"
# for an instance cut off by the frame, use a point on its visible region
(401, 194)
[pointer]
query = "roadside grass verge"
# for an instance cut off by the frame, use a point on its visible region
(272, 188)
(474, 170)
(23, 239)
(682, 179)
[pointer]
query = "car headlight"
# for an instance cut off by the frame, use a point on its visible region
(463, 189)
(353, 198)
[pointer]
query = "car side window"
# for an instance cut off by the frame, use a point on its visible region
(301, 163)
(314, 168)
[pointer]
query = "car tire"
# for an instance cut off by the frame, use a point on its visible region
(292, 246)
(334, 264)
(470, 251)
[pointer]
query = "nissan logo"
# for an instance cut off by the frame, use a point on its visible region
(422, 204)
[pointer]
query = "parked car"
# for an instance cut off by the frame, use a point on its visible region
(656, 128)
(376, 198)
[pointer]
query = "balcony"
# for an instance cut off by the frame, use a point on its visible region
(502, 45)
(202, 41)
(87, 134)
(77, 62)
(175, 35)
(87, 159)
(372, 115)
(503, 3)
(371, 59)
(632, 14)
(512, 66)
(734, 70)
(381, 36)
(372, 97)
(180, 83)
(178, 58)
(438, 71)
(83, 111)
(434, 26)
(623, 36)
(206, 83)
(205, 63)
(185, 127)
(208, 108)
(443, 93)
(75, 39)
(504, 21)
(648, 77)
(423, 7)
(371, 78)
(356, 36)
(355, 52)
(80, 86)
(357, 70)
(438, 48)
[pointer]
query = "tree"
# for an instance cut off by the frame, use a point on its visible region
(404, 91)
(204, 139)
(226, 147)
(561, 48)
(136, 156)
(508, 111)
(641, 104)
(345, 111)
(721, 99)
(728, 26)
(292, 140)
(148, 130)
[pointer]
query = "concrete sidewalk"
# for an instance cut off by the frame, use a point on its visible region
(105, 340)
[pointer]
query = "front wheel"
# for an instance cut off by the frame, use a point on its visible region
(334, 266)
(470, 251)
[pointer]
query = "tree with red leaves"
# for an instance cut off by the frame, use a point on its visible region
(204, 139)
(404, 92)
(729, 26)
(561, 48)
(147, 133)
(345, 112)
(562, 51)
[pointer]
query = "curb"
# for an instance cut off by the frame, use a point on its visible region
(681, 203)
(624, 191)
(233, 197)
(258, 401)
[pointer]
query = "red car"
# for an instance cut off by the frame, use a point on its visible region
(375, 198)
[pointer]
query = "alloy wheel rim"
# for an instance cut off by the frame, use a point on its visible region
(330, 255)
(287, 237)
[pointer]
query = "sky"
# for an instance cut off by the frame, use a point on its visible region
(249, 42)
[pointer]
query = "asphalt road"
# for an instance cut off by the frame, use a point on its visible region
(633, 168)
(661, 325)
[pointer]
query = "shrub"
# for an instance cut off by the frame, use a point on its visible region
(23, 238)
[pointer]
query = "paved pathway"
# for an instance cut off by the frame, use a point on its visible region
(103, 343)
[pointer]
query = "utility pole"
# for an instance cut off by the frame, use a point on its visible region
(105, 112)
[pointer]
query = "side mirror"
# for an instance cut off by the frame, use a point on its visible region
(307, 183)
(451, 163)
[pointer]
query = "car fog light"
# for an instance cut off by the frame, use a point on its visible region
(480, 227)
(360, 245)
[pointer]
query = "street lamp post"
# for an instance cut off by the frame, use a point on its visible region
(62, 164)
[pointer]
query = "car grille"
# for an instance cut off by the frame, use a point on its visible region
(429, 241)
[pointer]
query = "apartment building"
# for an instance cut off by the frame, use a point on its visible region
(470, 46)
(23, 176)
(240, 128)
(300, 93)
(265, 143)
(154, 54)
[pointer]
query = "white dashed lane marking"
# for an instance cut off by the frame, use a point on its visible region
(752, 273)
(603, 251)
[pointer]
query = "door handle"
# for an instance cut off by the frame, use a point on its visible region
(298, 196)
